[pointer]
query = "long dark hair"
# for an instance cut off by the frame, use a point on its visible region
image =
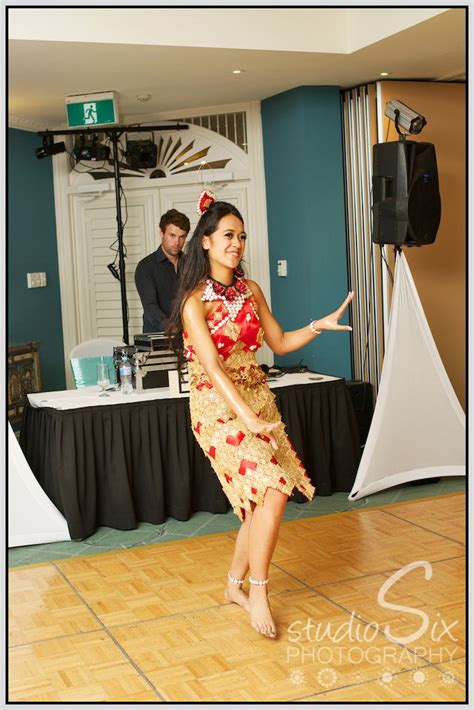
(196, 270)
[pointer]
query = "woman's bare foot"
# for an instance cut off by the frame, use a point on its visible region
(260, 614)
(234, 593)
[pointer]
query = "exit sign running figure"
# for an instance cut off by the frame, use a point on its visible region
(89, 110)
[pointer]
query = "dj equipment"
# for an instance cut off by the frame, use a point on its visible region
(406, 200)
(151, 341)
(158, 359)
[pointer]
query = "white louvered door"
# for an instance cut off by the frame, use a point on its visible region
(98, 302)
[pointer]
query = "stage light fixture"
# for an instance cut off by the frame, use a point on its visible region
(405, 117)
(141, 154)
(87, 147)
(49, 147)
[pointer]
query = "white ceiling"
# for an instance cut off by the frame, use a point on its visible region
(184, 58)
(296, 30)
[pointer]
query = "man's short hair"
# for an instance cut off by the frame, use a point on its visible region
(177, 218)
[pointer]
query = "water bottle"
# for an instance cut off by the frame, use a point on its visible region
(125, 370)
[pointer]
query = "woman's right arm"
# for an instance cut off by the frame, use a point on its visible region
(195, 325)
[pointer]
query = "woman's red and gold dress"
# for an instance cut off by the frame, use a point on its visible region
(245, 463)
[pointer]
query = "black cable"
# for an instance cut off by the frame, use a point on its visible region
(279, 370)
(366, 342)
(72, 158)
(108, 141)
(386, 263)
(73, 162)
(122, 192)
(126, 206)
(112, 246)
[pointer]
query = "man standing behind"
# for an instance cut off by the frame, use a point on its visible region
(156, 276)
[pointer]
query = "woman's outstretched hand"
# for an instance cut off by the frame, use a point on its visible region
(259, 426)
(330, 322)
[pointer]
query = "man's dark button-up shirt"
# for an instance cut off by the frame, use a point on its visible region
(157, 282)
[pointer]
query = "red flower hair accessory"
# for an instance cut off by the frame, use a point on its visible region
(205, 200)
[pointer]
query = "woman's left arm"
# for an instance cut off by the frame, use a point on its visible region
(286, 342)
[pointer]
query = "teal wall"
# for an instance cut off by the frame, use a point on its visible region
(302, 138)
(33, 314)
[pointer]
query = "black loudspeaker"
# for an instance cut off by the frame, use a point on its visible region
(406, 200)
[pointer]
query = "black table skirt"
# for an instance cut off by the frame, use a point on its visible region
(118, 465)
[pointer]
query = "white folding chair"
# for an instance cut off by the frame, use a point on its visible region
(85, 357)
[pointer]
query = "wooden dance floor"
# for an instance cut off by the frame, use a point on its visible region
(369, 606)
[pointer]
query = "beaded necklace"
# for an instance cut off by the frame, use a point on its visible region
(233, 296)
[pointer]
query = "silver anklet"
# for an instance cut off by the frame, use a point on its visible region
(234, 580)
(258, 581)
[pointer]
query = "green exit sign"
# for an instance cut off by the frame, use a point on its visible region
(90, 110)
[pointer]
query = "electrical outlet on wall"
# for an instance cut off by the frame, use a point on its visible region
(36, 279)
(282, 269)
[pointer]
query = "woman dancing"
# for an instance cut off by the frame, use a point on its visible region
(218, 322)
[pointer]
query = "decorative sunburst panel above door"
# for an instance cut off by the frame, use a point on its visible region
(196, 150)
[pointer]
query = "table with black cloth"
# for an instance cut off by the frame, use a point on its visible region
(137, 460)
